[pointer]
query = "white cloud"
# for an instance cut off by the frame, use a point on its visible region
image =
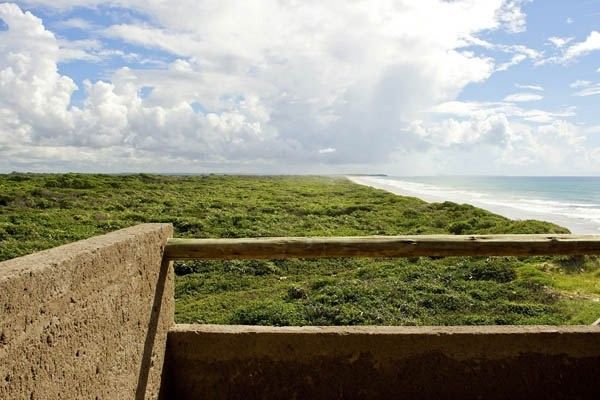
(84, 49)
(302, 89)
(559, 41)
(76, 23)
(490, 130)
(515, 60)
(327, 150)
(512, 15)
(494, 140)
(29, 81)
(546, 117)
(280, 91)
(530, 87)
(565, 54)
(563, 130)
(522, 97)
(485, 109)
(592, 130)
(180, 65)
(520, 49)
(174, 42)
(579, 84)
(35, 103)
(591, 43)
(519, 53)
(588, 90)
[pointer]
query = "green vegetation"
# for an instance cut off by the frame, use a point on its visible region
(42, 211)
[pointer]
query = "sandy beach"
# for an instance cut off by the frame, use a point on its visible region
(575, 225)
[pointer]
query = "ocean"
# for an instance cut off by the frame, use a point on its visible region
(572, 202)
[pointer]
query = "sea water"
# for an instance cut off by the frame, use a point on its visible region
(573, 202)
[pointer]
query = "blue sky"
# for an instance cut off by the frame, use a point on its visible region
(401, 87)
(545, 19)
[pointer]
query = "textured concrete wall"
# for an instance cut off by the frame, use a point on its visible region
(87, 320)
(384, 362)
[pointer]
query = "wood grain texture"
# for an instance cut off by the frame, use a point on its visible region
(382, 246)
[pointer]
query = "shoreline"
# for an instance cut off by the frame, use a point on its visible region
(574, 225)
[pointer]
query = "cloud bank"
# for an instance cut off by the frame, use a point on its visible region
(268, 86)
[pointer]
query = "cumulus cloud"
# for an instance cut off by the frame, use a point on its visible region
(488, 130)
(32, 92)
(35, 100)
(506, 143)
(301, 89)
(513, 16)
(286, 95)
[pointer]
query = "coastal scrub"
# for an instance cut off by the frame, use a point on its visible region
(38, 211)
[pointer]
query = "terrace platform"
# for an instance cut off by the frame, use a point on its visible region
(94, 319)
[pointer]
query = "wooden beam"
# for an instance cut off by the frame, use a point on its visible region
(382, 246)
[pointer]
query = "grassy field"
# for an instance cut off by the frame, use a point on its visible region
(42, 211)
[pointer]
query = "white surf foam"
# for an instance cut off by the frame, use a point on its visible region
(578, 217)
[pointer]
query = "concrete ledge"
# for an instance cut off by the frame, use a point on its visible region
(384, 362)
(88, 319)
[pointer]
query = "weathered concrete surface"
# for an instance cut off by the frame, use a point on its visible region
(85, 320)
(238, 362)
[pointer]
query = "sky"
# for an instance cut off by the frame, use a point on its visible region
(406, 87)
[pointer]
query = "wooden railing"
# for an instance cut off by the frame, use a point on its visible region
(377, 361)
(382, 246)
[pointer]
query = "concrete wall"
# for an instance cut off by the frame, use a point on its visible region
(384, 362)
(87, 320)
